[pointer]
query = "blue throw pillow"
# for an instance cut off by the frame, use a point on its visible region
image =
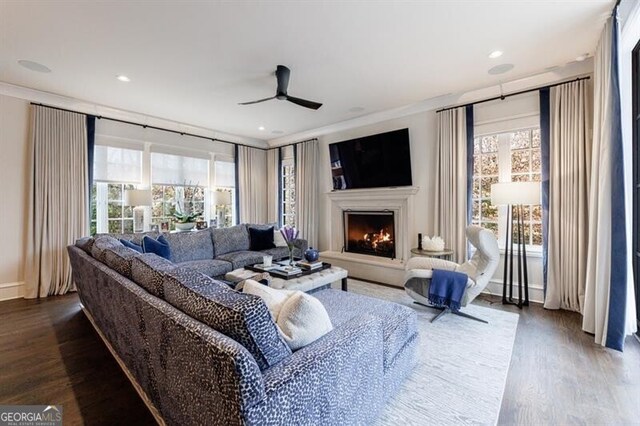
(159, 246)
(131, 245)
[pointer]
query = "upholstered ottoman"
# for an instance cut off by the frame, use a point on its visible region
(308, 283)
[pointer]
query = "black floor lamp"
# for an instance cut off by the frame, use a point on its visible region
(515, 195)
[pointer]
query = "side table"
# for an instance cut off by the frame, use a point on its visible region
(444, 254)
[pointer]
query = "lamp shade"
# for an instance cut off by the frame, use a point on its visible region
(515, 193)
(221, 198)
(137, 197)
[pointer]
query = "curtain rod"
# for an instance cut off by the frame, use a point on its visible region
(153, 127)
(502, 97)
(294, 143)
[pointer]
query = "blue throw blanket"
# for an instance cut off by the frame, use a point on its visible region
(447, 288)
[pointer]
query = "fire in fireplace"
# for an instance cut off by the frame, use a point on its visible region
(370, 232)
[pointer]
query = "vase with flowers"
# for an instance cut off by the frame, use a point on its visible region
(289, 233)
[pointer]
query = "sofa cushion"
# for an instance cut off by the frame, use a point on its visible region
(242, 317)
(101, 243)
(240, 259)
(227, 240)
(119, 259)
(261, 239)
(195, 245)
(85, 243)
(277, 252)
(399, 322)
(209, 267)
(160, 246)
(135, 238)
(147, 270)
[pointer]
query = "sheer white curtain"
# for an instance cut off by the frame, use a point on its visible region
(451, 181)
(569, 164)
(307, 191)
(252, 185)
(58, 198)
(273, 172)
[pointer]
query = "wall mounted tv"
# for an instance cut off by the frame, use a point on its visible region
(375, 161)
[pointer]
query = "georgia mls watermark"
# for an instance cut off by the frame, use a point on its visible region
(30, 415)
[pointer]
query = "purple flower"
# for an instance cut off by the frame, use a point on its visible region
(289, 233)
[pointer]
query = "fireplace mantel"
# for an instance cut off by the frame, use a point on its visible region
(399, 200)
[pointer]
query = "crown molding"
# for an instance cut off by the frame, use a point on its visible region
(86, 107)
(549, 76)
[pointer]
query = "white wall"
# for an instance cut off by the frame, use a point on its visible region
(14, 131)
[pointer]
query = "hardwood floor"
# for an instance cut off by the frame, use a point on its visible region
(50, 354)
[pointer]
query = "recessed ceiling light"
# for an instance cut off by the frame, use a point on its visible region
(34, 66)
(500, 69)
(123, 78)
(495, 54)
(261, 128)
(356, 109)
(277, 132)
(582, 57)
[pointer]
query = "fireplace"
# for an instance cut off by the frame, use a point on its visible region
(370, 232)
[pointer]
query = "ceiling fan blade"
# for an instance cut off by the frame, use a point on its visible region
(257, 102)
(282, 74)
(303, 102)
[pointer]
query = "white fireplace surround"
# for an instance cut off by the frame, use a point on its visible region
(399, 201)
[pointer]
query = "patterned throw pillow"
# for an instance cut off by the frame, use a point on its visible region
(85, 243)
(119, 259)
(242, 317)
(101, 243)
(227, 240)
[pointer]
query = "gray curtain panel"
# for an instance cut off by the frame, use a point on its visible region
(307, 191)
(450, 218)
(273, 171)
(569, 164)
(252, 169)
(58, 198)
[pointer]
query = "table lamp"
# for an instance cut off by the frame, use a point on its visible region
(515, 194)
(221, 199)
(139, 199)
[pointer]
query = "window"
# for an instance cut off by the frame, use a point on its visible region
(115, 170)
(506, 157)
(179, 184)
(225, 181)
(288, 189)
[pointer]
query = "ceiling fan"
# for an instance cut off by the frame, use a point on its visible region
(282, 75)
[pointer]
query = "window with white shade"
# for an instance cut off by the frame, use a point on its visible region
(288, 191)
(225, 181)
(115, 169)
(178, 185)
(506, 157)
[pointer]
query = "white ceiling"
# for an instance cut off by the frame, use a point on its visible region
(193, 62)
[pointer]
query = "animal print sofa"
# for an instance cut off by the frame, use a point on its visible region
(200, 352)
(216, 251)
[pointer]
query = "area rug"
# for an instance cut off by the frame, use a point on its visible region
(462, 365)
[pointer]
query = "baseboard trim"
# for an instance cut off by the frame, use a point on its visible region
(10, 291)
(147, 401)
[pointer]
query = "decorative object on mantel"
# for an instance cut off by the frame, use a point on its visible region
(290, 233)
(139, 199)
(434, 243)
(311, 254)
(419, 241)
(515, 194)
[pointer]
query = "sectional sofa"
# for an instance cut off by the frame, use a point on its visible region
(200, 352)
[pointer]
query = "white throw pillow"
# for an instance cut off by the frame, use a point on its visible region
(303, 320)
(273, 298)
(278, 239)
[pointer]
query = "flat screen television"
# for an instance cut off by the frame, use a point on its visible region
(375, 161)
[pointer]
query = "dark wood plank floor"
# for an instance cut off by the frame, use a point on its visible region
(50, 354)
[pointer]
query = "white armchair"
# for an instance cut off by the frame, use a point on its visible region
(480, 268)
